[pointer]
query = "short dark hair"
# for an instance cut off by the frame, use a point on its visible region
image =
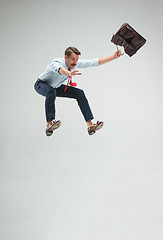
(69, 50)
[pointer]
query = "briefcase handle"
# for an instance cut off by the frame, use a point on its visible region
(118, 49)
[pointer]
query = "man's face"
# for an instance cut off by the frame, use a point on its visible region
(72, 60)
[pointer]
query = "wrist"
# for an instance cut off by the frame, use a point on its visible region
(114, 57)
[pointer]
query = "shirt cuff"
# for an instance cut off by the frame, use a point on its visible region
(96, 61)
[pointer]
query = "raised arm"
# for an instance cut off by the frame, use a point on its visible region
(116, 55)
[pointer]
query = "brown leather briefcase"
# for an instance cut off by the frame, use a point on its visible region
(128, 38)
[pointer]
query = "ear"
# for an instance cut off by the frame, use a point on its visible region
(66, 57)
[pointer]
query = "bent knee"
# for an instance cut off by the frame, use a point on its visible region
(81, 93)
(51, 93)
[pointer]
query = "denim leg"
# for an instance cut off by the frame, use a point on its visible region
(79, 95)
(49, 93)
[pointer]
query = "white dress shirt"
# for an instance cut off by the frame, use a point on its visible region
(54, 78)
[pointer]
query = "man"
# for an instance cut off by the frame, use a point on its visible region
(50, 84)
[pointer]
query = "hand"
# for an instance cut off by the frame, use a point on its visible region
(75, 72)
(117, 54)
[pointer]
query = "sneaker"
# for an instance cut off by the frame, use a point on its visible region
(95, 127)
(54, 125)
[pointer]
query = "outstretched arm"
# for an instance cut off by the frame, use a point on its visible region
(64, 71)
(116, 55)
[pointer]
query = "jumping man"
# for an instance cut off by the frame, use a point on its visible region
(50, 85)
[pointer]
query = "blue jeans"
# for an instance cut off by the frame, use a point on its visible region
(51, 93)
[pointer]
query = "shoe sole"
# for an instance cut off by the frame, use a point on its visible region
(99, 126)
(55, 126)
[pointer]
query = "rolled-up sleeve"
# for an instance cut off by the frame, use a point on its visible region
(82, 63)
(55, 66)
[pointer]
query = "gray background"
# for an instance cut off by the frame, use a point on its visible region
(74, 186)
